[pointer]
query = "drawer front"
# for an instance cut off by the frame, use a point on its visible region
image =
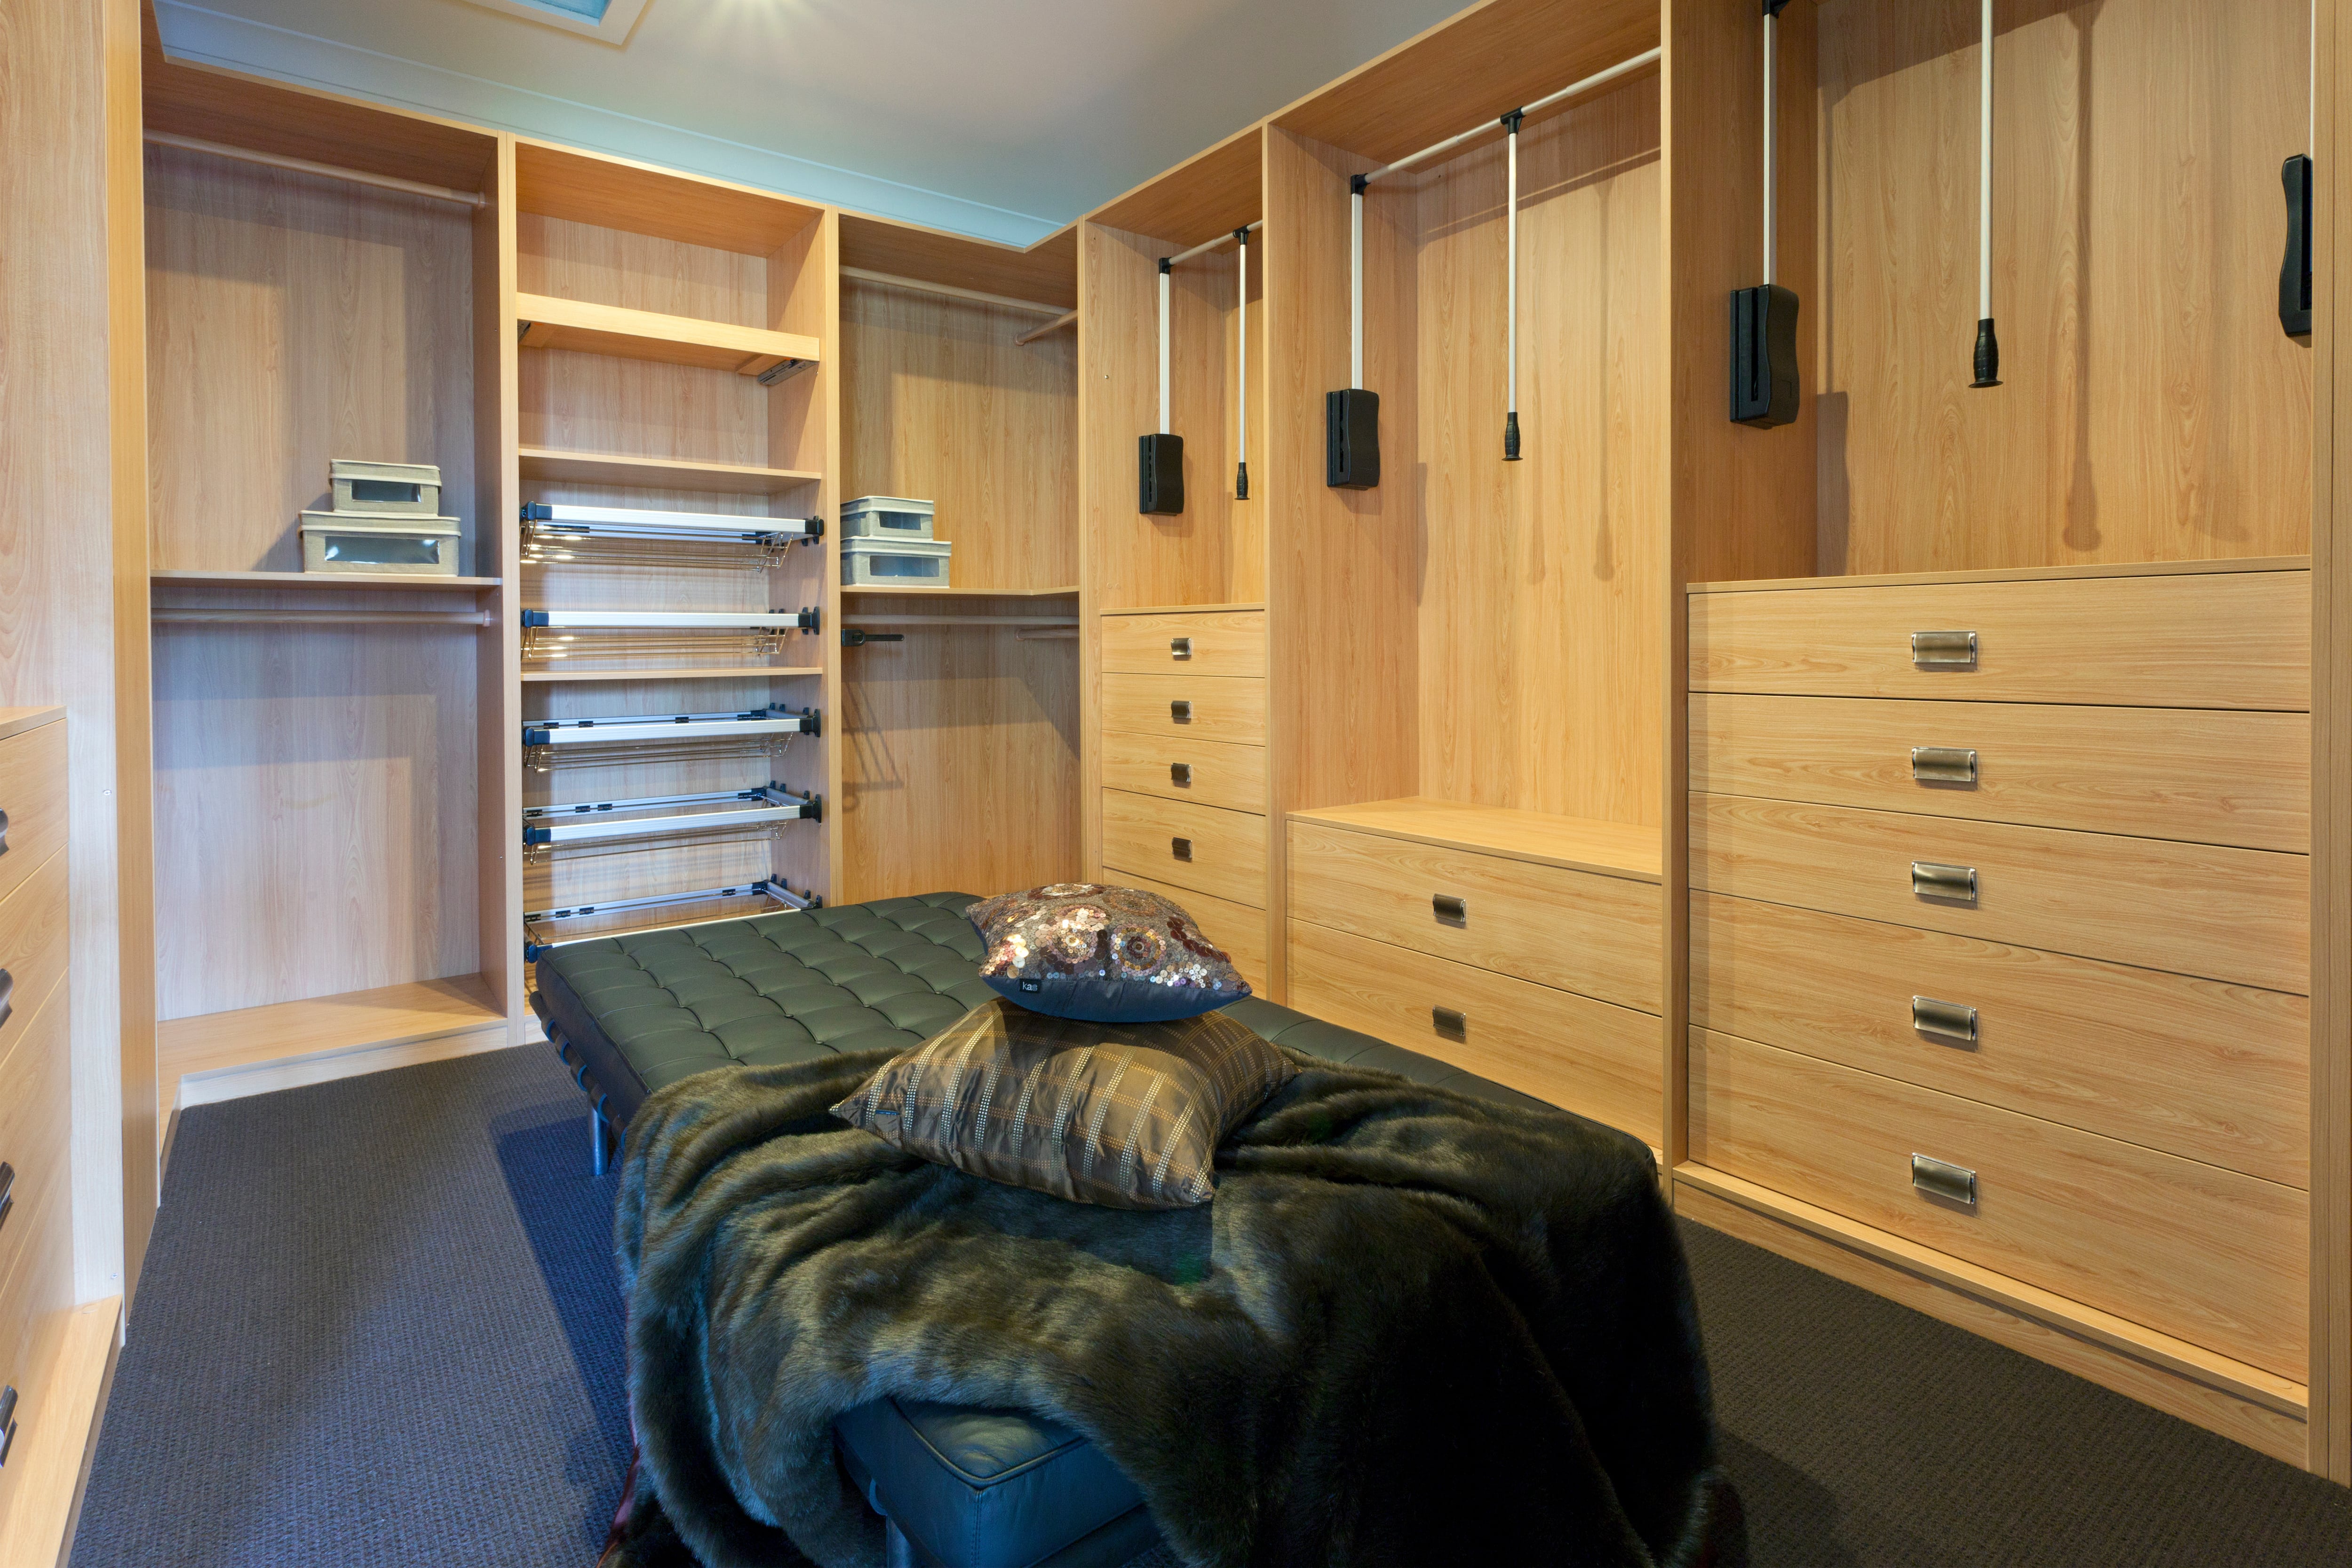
(1186, 707)
(2195, 1067)
(1237, 928)
(1573, 929)
(2208, 1255)
(33, 794)
(2207, 639)
(34, 1117)
(1208, 773)
(1584, 1055)
(2239, 915)
(35, 938)
(1209, 642)
(1221, 853)
(2202, 775)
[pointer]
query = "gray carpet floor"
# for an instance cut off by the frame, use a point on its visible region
(378, 1327)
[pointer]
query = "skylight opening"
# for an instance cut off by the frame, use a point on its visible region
(608, 21)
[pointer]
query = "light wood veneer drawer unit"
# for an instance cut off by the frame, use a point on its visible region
(2239, 915)
(33, 794)
(1206, 642)
(2203, 775)
(1584, 1055)
(1221, 853)
(1237, 928)
(1213, 772)
(1573, 929)
(2208, 1071)
(2199, 639)
(2208, 1255)
(33, 1115)
(35, 937)
(1186, 707)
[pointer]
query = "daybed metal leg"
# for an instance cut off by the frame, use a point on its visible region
(596, 1154)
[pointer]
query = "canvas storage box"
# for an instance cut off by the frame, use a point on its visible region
(885, 517)
(895, 563)
(398, 489)
(412, 546)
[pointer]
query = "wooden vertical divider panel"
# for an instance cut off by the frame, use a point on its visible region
(804, 434)
(497, 658)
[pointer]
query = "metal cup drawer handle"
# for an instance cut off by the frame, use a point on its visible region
(7, 1196)
(1181, 847)
(1448, 908)
(1451, 1022)
(8, 994)
(1944, 765)
(7, 1422)
(1953, 1184)
(1181, 712)
(1944, 650)
(1180, 647)
(1180, 773)
(4, 833)
(1953, 884)
(1944, 1020)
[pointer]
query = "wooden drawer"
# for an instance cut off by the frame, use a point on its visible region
(2239, 915)
(1213, 772)
(1205, 642)
(2200, 640)
(1237, 928)
(1214, 708)
(2208, 1071)
(35, 1115)
(2208, 1255)
(1573, 929)
(1225, 849)
(33, 794)
(35, 937)
(2200, 774)
(1584, 1055)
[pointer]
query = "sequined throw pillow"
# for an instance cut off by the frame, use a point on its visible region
(1113, 955)
(1127, 1115)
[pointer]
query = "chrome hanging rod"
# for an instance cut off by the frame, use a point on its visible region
(325, 171)
(1598, 79)
(1208, 245)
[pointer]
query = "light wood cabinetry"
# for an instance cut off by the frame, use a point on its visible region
(1221, 853)
(1211, 642)
(1201, 706)
(1211, 773)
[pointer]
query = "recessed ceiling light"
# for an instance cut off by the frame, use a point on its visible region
(607, 21)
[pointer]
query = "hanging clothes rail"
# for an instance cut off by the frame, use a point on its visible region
(325, 171)
(1066, 318)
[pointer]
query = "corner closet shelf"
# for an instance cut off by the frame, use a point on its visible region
(551, 323)
(548, 464)
(1576, 843)
(252, 1050)
(740, 672)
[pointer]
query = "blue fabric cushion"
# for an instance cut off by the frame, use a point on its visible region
(982, 1488)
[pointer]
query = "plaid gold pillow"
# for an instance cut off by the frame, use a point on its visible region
(1127, 1115)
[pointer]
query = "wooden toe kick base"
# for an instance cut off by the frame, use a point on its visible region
(57, 1421)
(2239, 1402)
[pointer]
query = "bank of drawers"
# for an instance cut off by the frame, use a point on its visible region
(2026, 894)
(1183, 739)
(34, 1237)
(1538, 976)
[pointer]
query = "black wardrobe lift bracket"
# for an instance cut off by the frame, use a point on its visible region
(1764, 387)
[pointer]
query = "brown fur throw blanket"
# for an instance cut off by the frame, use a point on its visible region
(1413, 1328)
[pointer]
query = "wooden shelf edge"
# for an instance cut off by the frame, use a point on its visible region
(555, 322)
(544, 465)
(328, 580)
(2053, 1312)
(50, 1463)
(17, 720)
(1179, 609)
(963, 592)
(563, 676)
(2009, 574)
(1396, 819)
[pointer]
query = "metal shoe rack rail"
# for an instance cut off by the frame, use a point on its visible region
(564, 535)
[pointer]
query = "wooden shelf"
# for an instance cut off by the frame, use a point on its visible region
(254, 1050)
(964, 593)
(890, 620)
(1179, 609)
(1577, 842)
(552, 324)
(546, 463)
(300, 580)
(754, 672)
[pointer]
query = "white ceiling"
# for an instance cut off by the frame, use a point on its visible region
(999, 118)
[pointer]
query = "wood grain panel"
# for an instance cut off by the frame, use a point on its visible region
(1568, 929)
(550, 323)
(1571, 843)
(2194, 1067)
(622, 194)
(1046, 272)
(2203, 775)
(1227, 642)
(961, 761)
(939, 402)
(36, 929)
(1227, 848)
(2150, 407)
(292, 319)
(1576, 1053)
(1219, 775)
(1224, 707)
(1540, 589)
(32, 792)
(35, 1114)
(2211, 1255)
(1239, 929)
(2192, 909)
(2232, 639)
